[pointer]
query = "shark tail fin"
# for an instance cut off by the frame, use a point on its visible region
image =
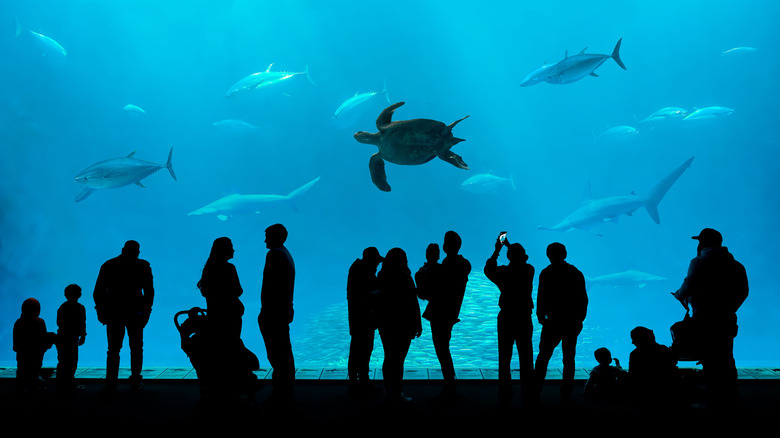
(169, 164)
(308, 76)
(616, 55)
(293, 197)
(659, 190)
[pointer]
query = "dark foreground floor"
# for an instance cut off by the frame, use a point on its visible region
(175, 407)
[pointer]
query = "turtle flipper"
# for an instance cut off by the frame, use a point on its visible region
(449, 127)
(378, 176)
(386, 116)
(454, 159)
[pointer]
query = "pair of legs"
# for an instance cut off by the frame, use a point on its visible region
(718, 367)
(361, 346)
(441, 334)
(67, 361)
(552, 335)
(515, 330)
(115, 333)
(396, 346)
(276, 336)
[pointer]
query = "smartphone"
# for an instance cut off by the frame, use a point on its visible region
(502, 236)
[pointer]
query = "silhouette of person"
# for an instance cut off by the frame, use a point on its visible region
(398, 320)
(606, 381)
(715, 287)
(220, 285)
(444, 307)
(561, 307)
(276, 313)
(429, 276)
(30, 342)
(362, 287)
(652, 368)
(124, 294)
(514, 322)
(71, 333)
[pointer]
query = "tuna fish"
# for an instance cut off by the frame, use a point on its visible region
(118, 172)
(666, 113)
(264, 79)
(710, 112)
(359, 98)
(134, 109)
(572, 68)
(485, 182)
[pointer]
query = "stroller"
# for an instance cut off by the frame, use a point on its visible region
(224, 368)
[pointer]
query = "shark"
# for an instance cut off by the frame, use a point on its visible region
(48, 44)
(118, 172)
(597, 211)
(625, 278)
(572, 68)
(230, 205)
(264, 79)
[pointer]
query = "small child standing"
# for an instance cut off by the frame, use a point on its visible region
(30, 342)
(606, 381)
(71, 332)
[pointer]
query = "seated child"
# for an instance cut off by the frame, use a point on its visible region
(606, 381)
(30, 342)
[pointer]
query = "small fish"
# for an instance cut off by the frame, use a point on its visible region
(118, 172)
(617, 134)
(738, 50)
(485, 182)
(710, 112)
(630, 278)
(134, 109)
(359, 98)
(264, 79)
(49, 44)
(235, 124)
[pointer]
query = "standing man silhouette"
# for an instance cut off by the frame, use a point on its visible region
(444, 307)
(514, 324)
(561, 306)
(362, 290)
(715, 287)
(124, 293)
(276, 313)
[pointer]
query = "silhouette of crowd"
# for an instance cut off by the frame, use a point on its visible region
(386, 300)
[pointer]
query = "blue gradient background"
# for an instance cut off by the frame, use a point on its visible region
(445, 59)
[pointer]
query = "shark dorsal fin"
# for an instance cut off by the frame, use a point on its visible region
(583, 50)
(131, 154)
(269, 67)
(566, 54)
(586, 195)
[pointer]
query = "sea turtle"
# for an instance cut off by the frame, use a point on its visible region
(408, 142)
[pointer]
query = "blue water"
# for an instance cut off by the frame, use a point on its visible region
(445, 59)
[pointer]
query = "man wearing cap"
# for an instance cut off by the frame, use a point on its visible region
(361, 291)
(123, 296)
(514, 324)
(715, 287)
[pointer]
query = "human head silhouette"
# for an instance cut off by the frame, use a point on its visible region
(708, 238)
(371, 256)
(452, 242)
(432, 253)
(556, 252)
(131, 249)
(642, 337)
(603, 356)
(395, 259)
(221, 249)
(275, 236)
(72, 292)
(516, 252)
(31, 308)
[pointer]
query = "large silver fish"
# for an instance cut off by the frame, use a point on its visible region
(572, 68)
(264, 79)
(118, 172)
(359, 98)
